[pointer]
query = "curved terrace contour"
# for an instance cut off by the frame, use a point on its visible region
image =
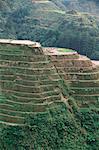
(31, 79)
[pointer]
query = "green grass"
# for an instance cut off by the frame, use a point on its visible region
(65, 50)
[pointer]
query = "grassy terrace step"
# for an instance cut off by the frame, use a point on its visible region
(19, 121)
(18, 49)
(87, 98)
(38, 82)
(14, 104)
(37, 78)
(28, 58)
(30, 71)
(94, 83)
(14, 71)
(28, 83)
(63, 57)
(11, 119)
(29, 77)
(28, 107)
(85, 95)
(37, 86)
(31, 58)
(13, 113)
(84, 88)
(23, 50)
(81, 77)
(78, 77)
(75, 69)
(14, 47)
(19, 114)
(24, 58)
(75, 63)
(34, 89)
(86, 91)
(34, 100)
(81, 73)
(7, 93)
(7, 77)
(2, 67)
(6, 106)
(83, 81)
(26, 64)
(17, 52)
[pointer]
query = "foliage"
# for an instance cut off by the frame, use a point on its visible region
(57, 130)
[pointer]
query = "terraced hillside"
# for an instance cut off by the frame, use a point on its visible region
(29, 81)
(48, 98)
(80, 74)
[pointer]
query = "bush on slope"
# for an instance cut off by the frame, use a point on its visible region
(59, 129)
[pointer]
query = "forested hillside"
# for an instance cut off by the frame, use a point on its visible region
(59, 23)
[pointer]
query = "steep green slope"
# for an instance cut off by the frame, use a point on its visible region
(66, 121)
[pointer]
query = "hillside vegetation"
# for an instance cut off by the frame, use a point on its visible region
(64, 23)
(47, 101)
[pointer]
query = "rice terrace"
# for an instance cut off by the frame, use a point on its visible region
(49, 75)
(31, 75)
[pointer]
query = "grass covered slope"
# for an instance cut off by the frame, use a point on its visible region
(69, 117)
